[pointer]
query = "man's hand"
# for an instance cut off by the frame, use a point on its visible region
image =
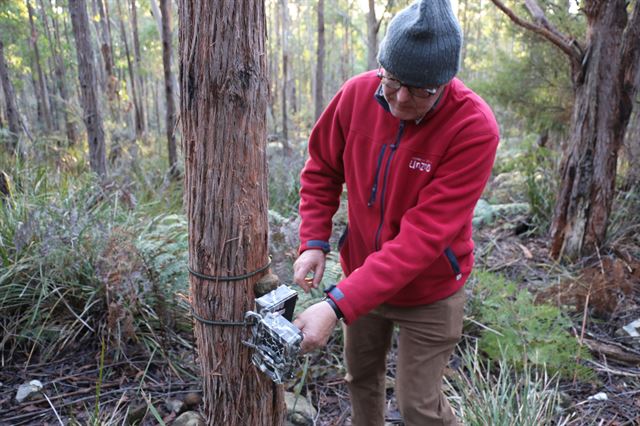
(316, 323)
(308, 261)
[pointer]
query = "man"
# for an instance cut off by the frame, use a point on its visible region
(415, 148)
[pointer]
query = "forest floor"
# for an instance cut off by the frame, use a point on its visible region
(137, 390)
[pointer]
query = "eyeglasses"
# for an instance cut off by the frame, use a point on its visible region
(394, 85)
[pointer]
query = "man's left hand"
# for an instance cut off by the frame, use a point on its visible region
(316, 323)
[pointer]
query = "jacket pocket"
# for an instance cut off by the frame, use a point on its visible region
(455, 266)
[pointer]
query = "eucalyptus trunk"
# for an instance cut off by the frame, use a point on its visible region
(41, 87)
(600, 116)
(13, 117)
(92, 116)
(223, 114)
(165, 10)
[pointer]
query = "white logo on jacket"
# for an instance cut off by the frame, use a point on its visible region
(420, 165)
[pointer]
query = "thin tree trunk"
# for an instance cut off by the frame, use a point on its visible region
(61, 78)
(13, 117)
(372, 36)
(41, 89)
(223, 110)
(138, 116)
(319, 104)
(89, 96)
(165, 10)
(137, 57)
(111, 88)
(285, 77)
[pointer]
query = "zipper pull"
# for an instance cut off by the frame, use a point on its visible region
(372, 198)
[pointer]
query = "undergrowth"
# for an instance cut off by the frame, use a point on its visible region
(524, 333)
(84, 259)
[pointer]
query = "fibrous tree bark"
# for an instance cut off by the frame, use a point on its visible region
(88, 89)
(319, 98)
(223, 115)
(13, 117)
(165, 11)
(603, 75)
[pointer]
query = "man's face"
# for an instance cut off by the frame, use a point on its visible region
(408, 103)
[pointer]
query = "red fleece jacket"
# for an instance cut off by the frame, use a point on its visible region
(411, 189)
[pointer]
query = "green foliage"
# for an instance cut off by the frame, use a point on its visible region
(284, 182)
(524, 333)
(487, 393)
(81, 261)
(537, 167)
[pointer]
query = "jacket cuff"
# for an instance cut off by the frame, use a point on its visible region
(315, 244)
(334, 293)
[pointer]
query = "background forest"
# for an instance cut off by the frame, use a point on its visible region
(94, 290)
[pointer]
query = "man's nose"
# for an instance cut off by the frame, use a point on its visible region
(403, 94)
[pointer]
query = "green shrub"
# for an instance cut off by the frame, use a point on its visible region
(525, 333)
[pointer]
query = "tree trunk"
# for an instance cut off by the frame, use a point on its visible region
(600, 117)
(372, 36)
(165, 10)
(319, 104)
(86, 77)
(604, 79)
(138, 115)
(41, 88)
(111, 88)
(137, 57)
(61, 79)
(223, 114)
(285, 76)
(632, 142)
(13, 117)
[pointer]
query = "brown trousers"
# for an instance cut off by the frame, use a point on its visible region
(427, 336)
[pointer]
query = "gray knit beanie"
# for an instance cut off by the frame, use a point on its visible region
(422, 44)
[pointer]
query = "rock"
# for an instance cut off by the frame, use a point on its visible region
(507, 187)
(511, 209)
(600, 396)
(483, 213)
(136, 414)
(632, 328)
(26, 390)
(192, 400)
(266, 284)
(189, 418)
(174, 405)
(299, 411)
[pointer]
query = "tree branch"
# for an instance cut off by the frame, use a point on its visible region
(543, 27)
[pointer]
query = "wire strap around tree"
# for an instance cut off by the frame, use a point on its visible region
(230, 278)
(221, 323)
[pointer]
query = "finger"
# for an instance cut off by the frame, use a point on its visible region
(299, 278)
(318, 273)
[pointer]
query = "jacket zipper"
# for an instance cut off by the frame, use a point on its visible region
(384, 183)
(374, 188)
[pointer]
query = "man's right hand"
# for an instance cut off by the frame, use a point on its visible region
(311, 260)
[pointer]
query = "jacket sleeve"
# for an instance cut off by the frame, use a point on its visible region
(322, 178)
(442, 209)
